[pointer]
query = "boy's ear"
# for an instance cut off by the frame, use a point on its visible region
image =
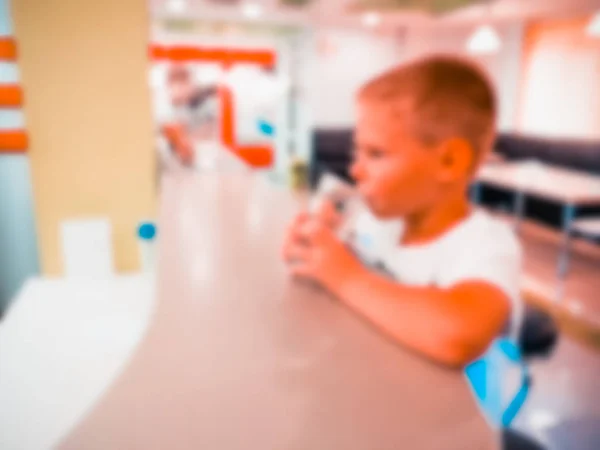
(456, 158)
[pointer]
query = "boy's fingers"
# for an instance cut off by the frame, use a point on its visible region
(293, 233)
(297, 253)
(301, 218)
(298, 236)
(302, 271)
(313, 232)
(327, 214)
(290, 242)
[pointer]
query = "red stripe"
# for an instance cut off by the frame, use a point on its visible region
(227, 119)
(13, 141)
(8, 49)
(225, 56)
(11, 96)
(259, 156)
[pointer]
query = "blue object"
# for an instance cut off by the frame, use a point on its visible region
(18, 239)
(147, 231)
(266, 127)
(486, 376)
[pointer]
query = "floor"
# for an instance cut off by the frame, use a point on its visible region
(563, 409)
(541, 247)
(574, 303)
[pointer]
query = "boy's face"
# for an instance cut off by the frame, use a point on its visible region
(396, 174)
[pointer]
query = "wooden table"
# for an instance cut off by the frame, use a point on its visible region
(571, 189)
(239, 356)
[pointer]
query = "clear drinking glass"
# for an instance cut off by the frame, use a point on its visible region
(343, 197)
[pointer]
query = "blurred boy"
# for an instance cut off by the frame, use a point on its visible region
(424, 267)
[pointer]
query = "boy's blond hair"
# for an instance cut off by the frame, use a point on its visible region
(450, 98)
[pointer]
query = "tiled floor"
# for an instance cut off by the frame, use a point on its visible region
(582, 283)
(563, 410)
(578, 310)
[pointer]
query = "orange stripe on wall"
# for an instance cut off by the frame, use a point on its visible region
(227, 120)
(11, 96)
(266, 58)
(8, 49)
(256, 155)
(259, 156)
(13, 141)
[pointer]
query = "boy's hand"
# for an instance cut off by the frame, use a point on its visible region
(325, 214)
(314, 252)
(328, 215)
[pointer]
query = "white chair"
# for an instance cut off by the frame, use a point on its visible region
(87, 248)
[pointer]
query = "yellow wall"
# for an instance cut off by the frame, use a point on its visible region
(87, 107)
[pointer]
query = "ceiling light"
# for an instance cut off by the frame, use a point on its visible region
(252, 10)
(371, 19)
(593, 29)
(484, 40)
(176, 6)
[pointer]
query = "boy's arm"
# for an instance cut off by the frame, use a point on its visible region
(452, 325)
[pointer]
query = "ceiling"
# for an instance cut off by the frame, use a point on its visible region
(429, 6)
(393, 13)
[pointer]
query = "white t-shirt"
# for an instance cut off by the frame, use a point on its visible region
(479, 248)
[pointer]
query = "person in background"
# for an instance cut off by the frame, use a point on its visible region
(423, 266)
(191, 118)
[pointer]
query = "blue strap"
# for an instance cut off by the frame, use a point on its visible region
(476, 373)
(486, 383)
(517, 402)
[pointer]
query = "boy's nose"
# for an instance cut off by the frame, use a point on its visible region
(357, 171)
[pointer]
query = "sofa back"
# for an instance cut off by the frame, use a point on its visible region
(332, 152)
(569, 153)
